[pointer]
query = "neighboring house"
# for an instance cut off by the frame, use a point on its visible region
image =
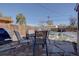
(31, 29)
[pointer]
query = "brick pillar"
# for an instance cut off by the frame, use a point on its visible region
(22, 30)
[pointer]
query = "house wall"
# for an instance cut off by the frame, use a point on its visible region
(3, 25)
(10, 27)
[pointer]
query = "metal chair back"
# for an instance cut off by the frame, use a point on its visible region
(18, 36)
(40, 37)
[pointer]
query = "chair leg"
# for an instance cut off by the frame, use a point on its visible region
(46, 50)
(75, 47)
(42, 45)
(34, 49)
(28, 43)
(49, 41)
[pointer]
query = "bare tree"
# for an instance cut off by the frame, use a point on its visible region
(73, 21)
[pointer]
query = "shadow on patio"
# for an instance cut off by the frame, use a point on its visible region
(55, 48)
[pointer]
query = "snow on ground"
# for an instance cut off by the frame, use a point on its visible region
(66, 36)
(63, 42)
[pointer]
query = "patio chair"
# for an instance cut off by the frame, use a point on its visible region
(20, 39)
(40, 39)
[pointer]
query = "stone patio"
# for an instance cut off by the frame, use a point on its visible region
(55, 48)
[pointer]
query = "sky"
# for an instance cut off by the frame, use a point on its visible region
(59, 13)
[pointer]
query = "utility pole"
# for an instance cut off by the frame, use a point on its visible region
(77, 10)
(48, 23)
(48, 17)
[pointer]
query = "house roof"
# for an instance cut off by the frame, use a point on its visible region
(5, 20)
